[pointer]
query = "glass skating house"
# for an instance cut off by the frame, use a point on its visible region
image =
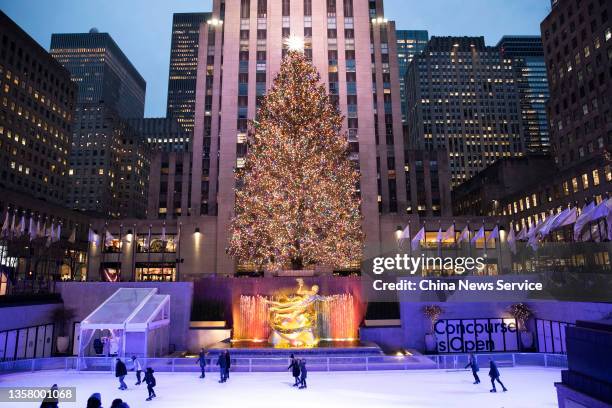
(132, 322)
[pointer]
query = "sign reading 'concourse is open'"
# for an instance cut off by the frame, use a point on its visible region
(476, 335)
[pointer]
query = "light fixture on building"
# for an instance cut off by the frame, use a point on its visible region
(379, 20)
(129, 236)
(197, 230)
(398, 232)
(215, 22)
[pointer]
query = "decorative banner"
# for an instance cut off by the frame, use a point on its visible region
(476, 335)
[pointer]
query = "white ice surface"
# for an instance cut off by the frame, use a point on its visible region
(528, 387)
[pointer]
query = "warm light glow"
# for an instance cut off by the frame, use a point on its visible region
(295, 43)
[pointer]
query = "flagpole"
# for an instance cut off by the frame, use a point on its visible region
(134, 245)
(409, 240)
(103, 250)
(178, 261)
(469, 240)
(499, 241)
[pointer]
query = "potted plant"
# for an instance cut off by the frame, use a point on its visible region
(432, 312)
(60, 318)
(522, 313)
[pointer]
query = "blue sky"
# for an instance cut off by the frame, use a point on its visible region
(142, 27)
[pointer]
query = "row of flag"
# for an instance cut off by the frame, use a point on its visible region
(14, 228)
(537, 232)
(448, 236)
(94, 238)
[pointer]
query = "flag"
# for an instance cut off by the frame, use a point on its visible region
(479, 235)
(512, 241)
(72, 237)
(568, 219)
(439, 236)
(108, 237)
(21, 227)
(32, 229)
(405, 234)
(522, 234)
(532, 240)
(58, 233)
(39, 232)
(465, 235)
(178, 236)
(583, 220)
(6, 225)
(494, 234)
(602, 210)
(13, 223)
(548, 224)
(416, 241)
(449, 233)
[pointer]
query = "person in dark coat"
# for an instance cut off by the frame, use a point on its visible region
(120, 373)
(222, 363)
(202, 362)
(473, 364)
(295, 370)
(95, 401)
(303, 374)
(228, 364)
(136, 366)
(494, 374)
(151, 383)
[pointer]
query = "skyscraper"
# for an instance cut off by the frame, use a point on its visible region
(577, 41)
(249, 36)
(527, 56)
(102, 71)
(183, 67)
(36, 112)
(409, 44)
(109, 163)
(463, 98)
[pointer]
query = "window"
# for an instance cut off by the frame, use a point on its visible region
(585, 181)
(595, 177)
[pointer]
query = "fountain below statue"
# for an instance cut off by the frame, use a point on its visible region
(299, 319)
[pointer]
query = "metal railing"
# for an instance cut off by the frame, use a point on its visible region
(280, 364)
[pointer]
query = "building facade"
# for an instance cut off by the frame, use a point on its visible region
(463, 98)
(577, 38)
(527, 54)
(183, 67)
(409, 44)
(36, 115)
(109, 163)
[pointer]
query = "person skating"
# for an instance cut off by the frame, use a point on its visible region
(228, 364)
(51, 401)
(222, 363)
(295, 370)
(120, 373)
(202, 362)
(151, 383)
(473, 364)
(494, 374)
(303, 374)
(138, 368)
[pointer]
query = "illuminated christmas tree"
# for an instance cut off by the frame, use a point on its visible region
(296, 199)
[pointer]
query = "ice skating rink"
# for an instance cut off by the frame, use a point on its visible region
(528, 387)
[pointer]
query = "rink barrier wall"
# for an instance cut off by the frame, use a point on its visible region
(275, 364)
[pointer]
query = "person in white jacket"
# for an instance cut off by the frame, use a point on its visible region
(138, 368)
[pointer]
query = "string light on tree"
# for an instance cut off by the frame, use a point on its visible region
(296, 199)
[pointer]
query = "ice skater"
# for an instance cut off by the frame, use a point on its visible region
(120, 373)
(51, 401)
(151, 383)
(494, 374)
(295, 370)
(228, 364)
(303, 374)
(136, 366)
(473, 364)
(222, 363)
(202, 362)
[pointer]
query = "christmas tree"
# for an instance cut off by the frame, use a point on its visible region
(296, 199)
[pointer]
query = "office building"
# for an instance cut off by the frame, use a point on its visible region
(463, 98)
(409, 44)
(527, 56)
(183, 67)
(37, 101)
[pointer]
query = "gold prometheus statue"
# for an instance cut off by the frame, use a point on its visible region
(293, 318)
